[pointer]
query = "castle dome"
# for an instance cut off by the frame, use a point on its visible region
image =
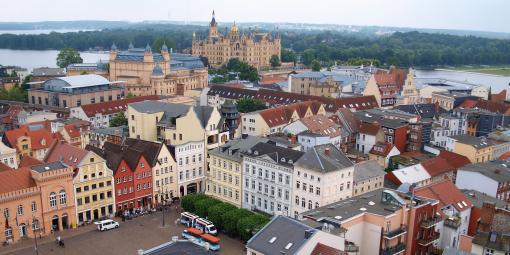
(164, 47)
(157, 71)
(114, 47)
(234, 29)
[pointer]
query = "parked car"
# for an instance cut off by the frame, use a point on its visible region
(106, 225)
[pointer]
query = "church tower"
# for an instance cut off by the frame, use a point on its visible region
(213, 27)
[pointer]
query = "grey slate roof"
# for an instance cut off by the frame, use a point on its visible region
(497, 170)
(48, 167)
(424, 110)
(233, 149)
(477, 142)
(181, 247)
(284, 156)
(478, 198)
(47, 71)
(316, 159)
(286, 230)
(136, 54)
(366, 170)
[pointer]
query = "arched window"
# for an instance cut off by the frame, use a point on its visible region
(316, 204)
(53, 199)
(309, 204)
(63, 198)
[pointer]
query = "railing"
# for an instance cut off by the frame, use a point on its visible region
(351, 248)
(430, 222)
(395, 232)
(396, 249)
(427, 240)
(453, 223)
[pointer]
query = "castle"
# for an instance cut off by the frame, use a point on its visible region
(147, 73)
(255, 48)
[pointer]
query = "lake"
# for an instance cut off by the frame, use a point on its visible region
(31, 59)
(41, 31)
(41, 58)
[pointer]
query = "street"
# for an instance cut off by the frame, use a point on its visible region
(140, 233)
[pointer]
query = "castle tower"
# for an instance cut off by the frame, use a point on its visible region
(147, 56)
(234, 32)
(230, 114)
(164, 52)
(213, 27)
(113, 52)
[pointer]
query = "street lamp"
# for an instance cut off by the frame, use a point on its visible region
(163, 206)
(35, 235)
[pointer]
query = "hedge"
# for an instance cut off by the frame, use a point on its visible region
(226, 217)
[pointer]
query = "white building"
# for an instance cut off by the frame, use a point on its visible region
(8, 156)
(31, 117)
(415, 174)
(491, 178)
(368, 135)
(267, 178)
(448, 125)
(309, 140)
(191, 162)
(323, 175)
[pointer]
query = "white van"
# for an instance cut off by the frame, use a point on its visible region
(206, 226)
(106, 225)
(188, 219)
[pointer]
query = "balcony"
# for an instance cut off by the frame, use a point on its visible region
(452, 223)
(392, 250)
(351, 247)
(428, 239)
(395, 232)
(430, 222)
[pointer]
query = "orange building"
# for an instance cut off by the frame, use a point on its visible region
(36, 200)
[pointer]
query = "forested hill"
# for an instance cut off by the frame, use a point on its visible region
(402, 49)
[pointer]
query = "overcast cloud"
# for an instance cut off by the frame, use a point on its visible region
(484, 15)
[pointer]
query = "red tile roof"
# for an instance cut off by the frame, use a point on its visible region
(320, 124)
(15, 180)
(468, 103)
(393, 76)
(437, 166)
(115, 106)
(454, 159)
(446, 193)
(271, 80)
(382, 148)
(499, 97)
(322, 249)
(27, 161)
(283, 115)
(4, 167)
(505, 156)
(72, 130)
(369, 128)
(66, 153)
(499, 107)
(12, 112)
(40, 139)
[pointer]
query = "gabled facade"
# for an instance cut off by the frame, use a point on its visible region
(191, 165)
(387, 86)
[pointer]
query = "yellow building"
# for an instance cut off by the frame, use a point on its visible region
(255, 48)
(476, 149)
(148, 73)
(224, 175)
(176, 124)
(324, 84)
(93, 181)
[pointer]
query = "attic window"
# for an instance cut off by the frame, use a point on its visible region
(288, 246)
(272, 239)
(282, 159)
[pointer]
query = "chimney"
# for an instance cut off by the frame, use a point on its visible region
(308, 233)
(327, 151)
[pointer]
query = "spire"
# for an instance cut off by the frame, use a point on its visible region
(164, 47)
(213, 20)
(114, 47)
(148, 48)
(131, 46)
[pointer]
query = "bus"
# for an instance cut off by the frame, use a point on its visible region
(206, 226)
(214, 242)
(198, 237)
(188, 219)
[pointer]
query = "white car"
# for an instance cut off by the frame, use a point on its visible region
(106, 225)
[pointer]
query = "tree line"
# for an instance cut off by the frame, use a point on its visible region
(400, 48)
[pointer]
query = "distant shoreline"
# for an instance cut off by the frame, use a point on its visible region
(472, 72)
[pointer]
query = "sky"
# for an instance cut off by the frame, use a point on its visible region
(482, 15)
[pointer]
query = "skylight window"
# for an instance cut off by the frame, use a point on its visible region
(288, 246)
(272, 239)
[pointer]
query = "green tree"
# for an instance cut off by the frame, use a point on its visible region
(158, 43)
(288, 55)
(248, 226)
(119, 120)
(202, 206)
(231, 218)
(316, 65)
(14, 73)
(216, 212)
(308, 56)
(245, 105)
(130, 95)
(68, 56)
(188, 201)
(275, 61)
